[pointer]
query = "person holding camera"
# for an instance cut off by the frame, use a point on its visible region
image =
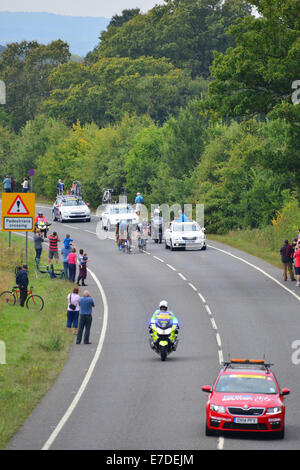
(73, 310)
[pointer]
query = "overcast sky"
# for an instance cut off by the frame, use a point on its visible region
(104, 8)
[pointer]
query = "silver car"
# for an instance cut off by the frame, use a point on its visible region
(68, 208)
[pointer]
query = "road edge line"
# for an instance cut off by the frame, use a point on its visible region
(89, 373)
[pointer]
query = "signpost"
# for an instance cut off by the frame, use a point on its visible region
(18, 213)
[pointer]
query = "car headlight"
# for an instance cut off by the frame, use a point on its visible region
(274, 410)
(217, 408)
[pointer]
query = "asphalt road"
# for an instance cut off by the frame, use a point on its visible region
(131, 399)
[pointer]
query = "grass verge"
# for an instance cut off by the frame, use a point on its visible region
(36, 343)
(256, 242)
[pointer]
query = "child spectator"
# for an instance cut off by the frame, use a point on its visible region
(68, 241)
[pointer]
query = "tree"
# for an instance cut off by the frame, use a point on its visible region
(25, 68)
(185, 31)
(105, 91)
(256, 75)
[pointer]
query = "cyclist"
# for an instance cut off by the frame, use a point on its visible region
(123, 228)
(142, 233)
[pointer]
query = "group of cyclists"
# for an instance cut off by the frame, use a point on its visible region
(126, 232)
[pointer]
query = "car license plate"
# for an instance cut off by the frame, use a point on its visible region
(245, 420)
(189, 241)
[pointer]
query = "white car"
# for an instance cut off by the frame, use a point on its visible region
(68, 208)
(185, 235)
(114, 213)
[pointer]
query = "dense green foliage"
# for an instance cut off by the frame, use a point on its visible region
(146, 113)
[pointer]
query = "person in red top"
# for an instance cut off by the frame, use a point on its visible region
(53, 248)
(297, 263)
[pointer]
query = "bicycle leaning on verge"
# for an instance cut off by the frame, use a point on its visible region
(33, 301)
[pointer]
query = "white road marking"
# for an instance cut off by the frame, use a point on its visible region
(208, 310)
(171, 267)
(258, 269)
(182, 276)
(89, 373)
(159, 259)
(214, 325)
(94, 233)
(218, 340)
(221, 359)
(202, 298)
(192, 286)
(220, 444)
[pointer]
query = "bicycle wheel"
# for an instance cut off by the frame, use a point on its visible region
(8, 297)
(35, 302)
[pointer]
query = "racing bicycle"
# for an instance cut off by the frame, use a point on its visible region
(33, 301)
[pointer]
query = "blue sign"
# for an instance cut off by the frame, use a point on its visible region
(31, 172)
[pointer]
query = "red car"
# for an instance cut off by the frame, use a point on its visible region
(245, 397)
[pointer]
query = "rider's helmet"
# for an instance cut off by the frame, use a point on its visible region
(41, 214)
(163, 304)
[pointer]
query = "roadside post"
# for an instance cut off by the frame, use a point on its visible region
(31, 173)
(18, 213)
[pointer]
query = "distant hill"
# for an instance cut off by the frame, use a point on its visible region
(80, 32)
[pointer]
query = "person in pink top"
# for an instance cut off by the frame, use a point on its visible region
(297, 263)
(72, 258)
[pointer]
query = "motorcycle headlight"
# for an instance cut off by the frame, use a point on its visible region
(274, 410)
(217, 408)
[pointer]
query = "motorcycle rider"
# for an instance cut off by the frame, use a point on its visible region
(163, 310)
(43, 222)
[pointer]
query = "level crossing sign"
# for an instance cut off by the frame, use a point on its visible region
(18, 212)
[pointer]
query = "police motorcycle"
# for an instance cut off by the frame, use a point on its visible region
(163, 330)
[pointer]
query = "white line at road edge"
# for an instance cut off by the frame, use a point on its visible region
(89, 373)
(258, 269)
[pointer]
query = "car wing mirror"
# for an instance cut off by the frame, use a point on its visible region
(206, 388)
(285, 391)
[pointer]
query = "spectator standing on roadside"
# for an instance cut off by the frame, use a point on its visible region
(60, 187)
(286, 253)
(25, 185)
(68, 241)
(83, 259)
(85, 319)
(72, 258)
(53, 248)
(22, 281)
(297, 263)
(73, 310)
(7, 184)
(38, 240)
(65, 253)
